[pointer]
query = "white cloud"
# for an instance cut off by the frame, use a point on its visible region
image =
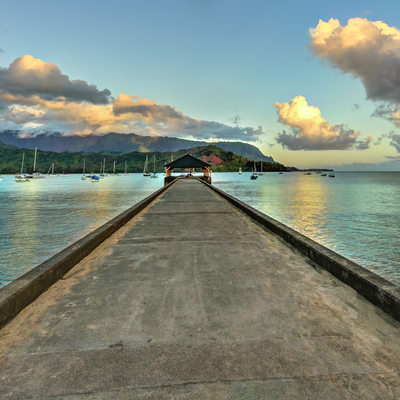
(369, 50)
(310, 131)
(29, 76)
(35, 95)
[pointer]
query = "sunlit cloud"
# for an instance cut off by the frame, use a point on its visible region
(310, 131)
(36, 96)
(29, 76)
(369, 50)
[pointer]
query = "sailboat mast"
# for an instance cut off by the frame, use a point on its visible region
(154, 163)
(114, 168)
(84, 165)
(22, 164)
(125, 166)
(145, 164)
(104, 166)
(34, 160)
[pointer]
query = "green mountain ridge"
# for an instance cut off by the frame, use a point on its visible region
(221, 160)
(121, 143)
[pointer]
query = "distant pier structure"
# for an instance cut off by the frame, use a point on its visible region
(187, 162)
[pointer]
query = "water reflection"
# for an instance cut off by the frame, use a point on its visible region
(39, 218)
(24, 236)
(356, 214)
(306, 200)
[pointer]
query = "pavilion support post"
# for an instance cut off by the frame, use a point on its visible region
(207, 176)
(168, 176)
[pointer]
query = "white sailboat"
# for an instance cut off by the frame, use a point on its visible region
(50, 172)
(154, 167)
(114, 170)
(240, 171)
(254, 175)
(36, 175)
(21, 178)
(145, 173)
(83, 177)
(102, 172)
(261, 173)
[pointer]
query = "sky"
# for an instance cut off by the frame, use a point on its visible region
(311, 83)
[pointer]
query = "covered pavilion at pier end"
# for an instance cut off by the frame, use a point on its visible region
(187, 162)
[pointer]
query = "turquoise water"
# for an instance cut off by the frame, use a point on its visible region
(42, 217)
(356, 214)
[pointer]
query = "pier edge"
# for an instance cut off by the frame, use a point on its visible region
(18, 294)
(379, 291)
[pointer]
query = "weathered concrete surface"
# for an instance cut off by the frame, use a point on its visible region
(191, 299)
(24, 290)
(379, 291)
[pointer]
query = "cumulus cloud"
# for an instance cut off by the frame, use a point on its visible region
(36, 97)
(29, 76)
(369, 50)
(125, 104)
(395, 141)
(364, 144)
(310, 131)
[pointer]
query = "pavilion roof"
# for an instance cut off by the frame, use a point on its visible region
(187, 161)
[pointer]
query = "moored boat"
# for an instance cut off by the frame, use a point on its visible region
(145, 172)
(21, 177)
(154, 168)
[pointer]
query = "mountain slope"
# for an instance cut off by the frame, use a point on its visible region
(221, 160)
(122, 143)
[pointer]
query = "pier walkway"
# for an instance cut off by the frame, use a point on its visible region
(193, 300)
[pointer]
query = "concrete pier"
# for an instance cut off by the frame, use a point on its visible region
(192, 299)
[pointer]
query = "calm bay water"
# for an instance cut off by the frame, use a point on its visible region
(356, 214)
(42, 217)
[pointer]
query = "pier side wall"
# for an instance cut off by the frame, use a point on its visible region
(24, 290)
(374, 288)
